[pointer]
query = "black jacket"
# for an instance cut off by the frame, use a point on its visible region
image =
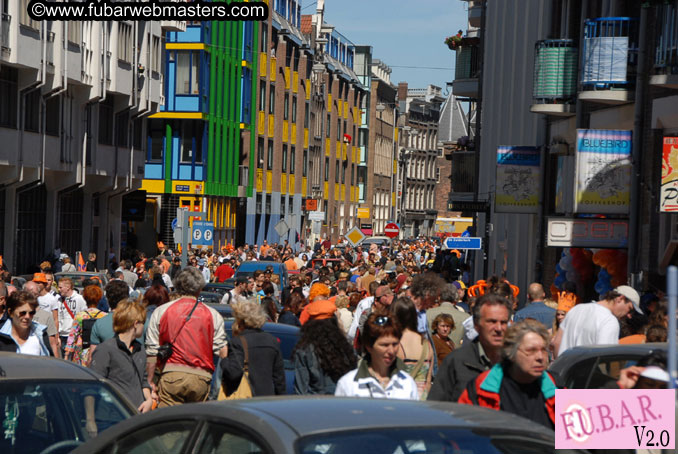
(266, 368)
(457, 369)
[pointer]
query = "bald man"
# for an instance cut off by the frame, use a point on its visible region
(44, 318)
(536, 309)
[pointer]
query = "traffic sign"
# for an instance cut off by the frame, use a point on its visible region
(203, 233)
(175, 223)
(354, 236)
(281, 227)
(391, 230)
(459, 242)
(316, 215)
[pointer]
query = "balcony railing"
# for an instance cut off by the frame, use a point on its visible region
(468, 60)
(555, 71)
(463, 171)
(666, 53)
(4, 30)
(610, 53)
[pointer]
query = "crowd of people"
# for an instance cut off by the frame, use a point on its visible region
(402, 321)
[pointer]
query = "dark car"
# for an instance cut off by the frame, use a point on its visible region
(219, 287)
(51, 406)
(210, 297)
(597, 366)
(287, 336)
(328, 425)
(79, 276)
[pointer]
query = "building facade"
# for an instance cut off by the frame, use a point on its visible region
(75, 98)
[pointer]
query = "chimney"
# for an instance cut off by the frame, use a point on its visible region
(402, 91)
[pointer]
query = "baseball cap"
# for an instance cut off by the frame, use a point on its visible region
(63, 256)
(630, 294)
(655, 373)
(40, 277)
(201, 262)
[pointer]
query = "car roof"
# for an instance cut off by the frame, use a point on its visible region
(347, 414)
(576, 354)
(260, 265)
(27, 367)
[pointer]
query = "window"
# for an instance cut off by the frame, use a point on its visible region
(339, 129)
(327, 168)
(307, 114)
(137, 131)
(329, 125)
(167, 437)
(75, 32)
(191, 141)
(262, 96)
(294, 109)
(222, 439)
(286, 107)
(304, 165)
(352, 174)
(155, 55)
(32, 111)
(24, 18)
(187, 72)
(260, 153)
(343, 174)
(284, 158)
(271, 99)
(106, 122)
(336, 171)
(157, 135)
(293, 155)
(269, 159)
(9, 95)
(122, 129)
(124, 42)
(264, 35)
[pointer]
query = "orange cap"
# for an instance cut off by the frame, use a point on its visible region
(317, 290)
(321, 309)
(40, 277)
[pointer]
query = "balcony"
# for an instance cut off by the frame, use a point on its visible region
(665, 70)
(467, 68)
(463, 171)
(610, 56)
(475, 12)
(555, 77)
(173, 25)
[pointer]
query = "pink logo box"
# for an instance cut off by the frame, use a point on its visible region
(615, 418)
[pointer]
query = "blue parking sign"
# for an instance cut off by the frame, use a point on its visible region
(203, 233)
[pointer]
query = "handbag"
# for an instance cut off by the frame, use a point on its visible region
(165, 350)
(244, 390)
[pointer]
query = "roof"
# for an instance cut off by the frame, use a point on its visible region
(453, 122)
(306, 24)
(25, 367)
(293, 34)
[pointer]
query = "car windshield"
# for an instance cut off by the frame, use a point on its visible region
(420, 440)
(39, 414)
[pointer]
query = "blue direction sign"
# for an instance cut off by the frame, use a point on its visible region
(203, 233)
(467, 242)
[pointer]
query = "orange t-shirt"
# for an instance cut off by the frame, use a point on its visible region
(291, 264)
(633, 339)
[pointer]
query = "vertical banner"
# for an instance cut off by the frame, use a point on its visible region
(603, 171)
(518, 179)
(668, 201)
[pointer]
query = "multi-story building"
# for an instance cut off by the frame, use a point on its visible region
(601, 75)
(74, 98)
(418, 153)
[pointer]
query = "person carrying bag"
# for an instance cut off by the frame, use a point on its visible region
(244, 390)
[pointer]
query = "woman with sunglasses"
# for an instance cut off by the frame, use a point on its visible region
(380, 374)
(28, 337)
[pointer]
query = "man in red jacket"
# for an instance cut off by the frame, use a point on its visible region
(225, 270)
(519, 383)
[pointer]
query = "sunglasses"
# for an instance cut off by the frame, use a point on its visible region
(23, 313)
(381, 320)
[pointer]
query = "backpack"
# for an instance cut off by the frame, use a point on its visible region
(87, 325)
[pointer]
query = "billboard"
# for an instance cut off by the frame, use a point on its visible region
(603, 171)
(518, 179)
(668, 201)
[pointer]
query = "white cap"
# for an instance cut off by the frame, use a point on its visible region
(655, 373)
(630, 294)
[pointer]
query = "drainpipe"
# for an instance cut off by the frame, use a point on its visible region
(636, 150)
(579, 119)
(104, 73)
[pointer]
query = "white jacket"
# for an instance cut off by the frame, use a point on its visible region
(359, 383)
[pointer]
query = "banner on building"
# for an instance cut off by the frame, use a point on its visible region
(668, 200)
(603, 171)
(518, 179)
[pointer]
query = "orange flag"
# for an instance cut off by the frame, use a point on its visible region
(81, 262)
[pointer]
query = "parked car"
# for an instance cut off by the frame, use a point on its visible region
(595, 366)
(210, 297)
(79, 276)
(46, 400)
(328, 425)
(248, 268)
(219, 287)
(380, 241)
(287, 336)
(319, 263)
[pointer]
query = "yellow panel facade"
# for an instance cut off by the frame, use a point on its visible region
(393, 200)
(327, 191)
(346, 110)
(343, 192)
(262, 123)
(153, 186)
(304, 183)
(295, 82)
(271, 125)
(351, 193)
(262, 64)
(329, 102)
(336, 191)
(305, 137)
(273, 69)
(327, 147)
(308, 89)
(283, 184)
(269, 181)
(294, 134)
(260, 180)
(339, 107)
(287, 78)
(293, 189)
(286, 127)
(395, 167)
